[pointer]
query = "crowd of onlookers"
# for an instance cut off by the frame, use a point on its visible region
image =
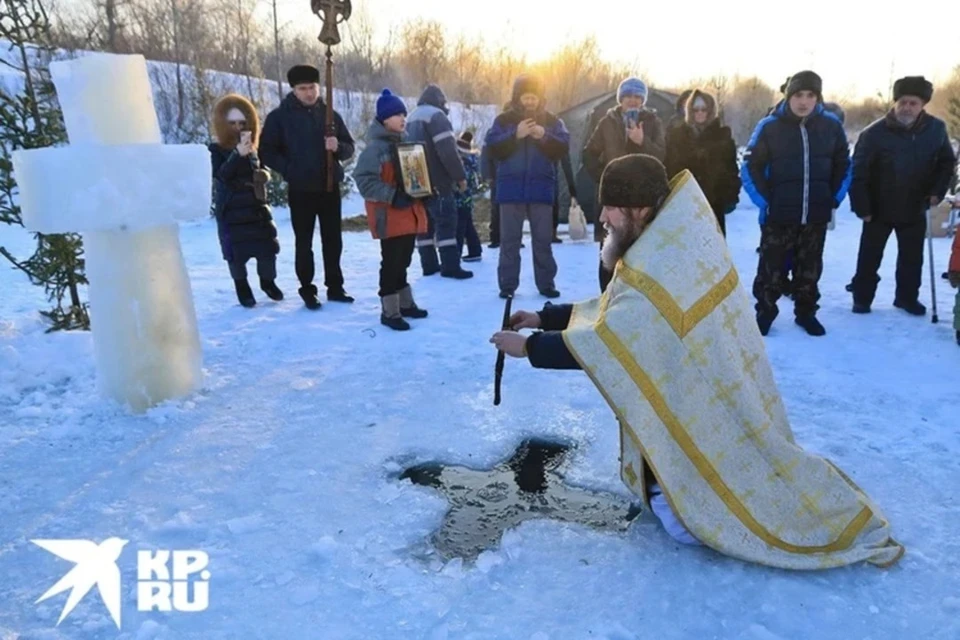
(797, 169)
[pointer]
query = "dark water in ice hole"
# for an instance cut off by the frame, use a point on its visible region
(527, 486)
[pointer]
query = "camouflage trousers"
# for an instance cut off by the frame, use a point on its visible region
(777, 243)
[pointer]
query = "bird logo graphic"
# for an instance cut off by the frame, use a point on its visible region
(96, 564)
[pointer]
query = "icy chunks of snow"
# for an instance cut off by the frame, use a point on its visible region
(150, 630)
(245, 525)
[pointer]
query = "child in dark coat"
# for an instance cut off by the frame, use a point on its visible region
(244, 222)
(393, 216)
(466, 231)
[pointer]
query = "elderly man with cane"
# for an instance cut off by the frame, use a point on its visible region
(902, 166)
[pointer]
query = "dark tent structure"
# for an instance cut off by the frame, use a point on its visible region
(581, 120)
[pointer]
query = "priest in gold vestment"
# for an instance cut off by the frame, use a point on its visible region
(674, 348)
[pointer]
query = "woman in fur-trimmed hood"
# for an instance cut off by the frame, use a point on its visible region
(702, 144)
(244, 221)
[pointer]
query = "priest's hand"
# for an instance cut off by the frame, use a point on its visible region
(525, 320)
(332, 144)
(511, 343)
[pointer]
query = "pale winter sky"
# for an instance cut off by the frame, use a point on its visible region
(850, 45)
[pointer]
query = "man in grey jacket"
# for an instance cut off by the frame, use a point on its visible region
(430, 125)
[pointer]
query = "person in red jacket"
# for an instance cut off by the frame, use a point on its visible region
(394, 217)
(953, 273)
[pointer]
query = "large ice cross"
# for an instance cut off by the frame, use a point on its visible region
(124, 191)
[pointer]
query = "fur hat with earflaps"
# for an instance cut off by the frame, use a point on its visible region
(303, 74)
(225, 134)
(634, 181)
(528, 83)
(913, 86)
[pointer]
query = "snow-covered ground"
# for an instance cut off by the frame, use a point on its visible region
(282, 468)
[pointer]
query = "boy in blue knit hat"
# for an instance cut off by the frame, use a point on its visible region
(627, 128)
(394, 217)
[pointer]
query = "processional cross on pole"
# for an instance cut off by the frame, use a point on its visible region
(332, 13)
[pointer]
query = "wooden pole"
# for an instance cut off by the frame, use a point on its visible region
(276, 48)
(331, 125)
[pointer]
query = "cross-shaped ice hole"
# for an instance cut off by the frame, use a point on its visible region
(527, 486)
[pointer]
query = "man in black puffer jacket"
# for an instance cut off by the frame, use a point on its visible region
(294, 144)
(901, 166)
(796, 170)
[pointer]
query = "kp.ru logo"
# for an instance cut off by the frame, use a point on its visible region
(158, 587)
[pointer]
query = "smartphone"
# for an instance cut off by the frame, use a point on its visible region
(633, 117)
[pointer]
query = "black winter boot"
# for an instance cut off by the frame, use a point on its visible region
(914, 308)
(339, 295)
(270, 288)
(958, 337)
(309, 296)
(765, 320)
(390, 314)
(245, 293)
(450, 264)
(811, 325)
(861, 307)
(408, 307)
(459, 274)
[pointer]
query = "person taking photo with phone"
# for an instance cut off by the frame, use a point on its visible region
(244, 221)
(627, 128)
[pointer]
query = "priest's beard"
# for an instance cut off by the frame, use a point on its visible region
(619, 241)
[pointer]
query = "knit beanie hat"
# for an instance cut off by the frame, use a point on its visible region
(804, 81)
(913, 86)
(466, 141)
(389, 105)
(634, 181)
(632, 87)
(303, 74)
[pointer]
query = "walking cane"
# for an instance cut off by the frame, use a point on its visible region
(933, 280)
(501, 356)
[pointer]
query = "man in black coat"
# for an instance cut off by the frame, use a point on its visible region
(796, 170)
(901, 166)
(294, 143)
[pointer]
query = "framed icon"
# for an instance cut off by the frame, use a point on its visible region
(414, 170)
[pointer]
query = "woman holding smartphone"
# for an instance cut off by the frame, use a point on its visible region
(244, 221)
